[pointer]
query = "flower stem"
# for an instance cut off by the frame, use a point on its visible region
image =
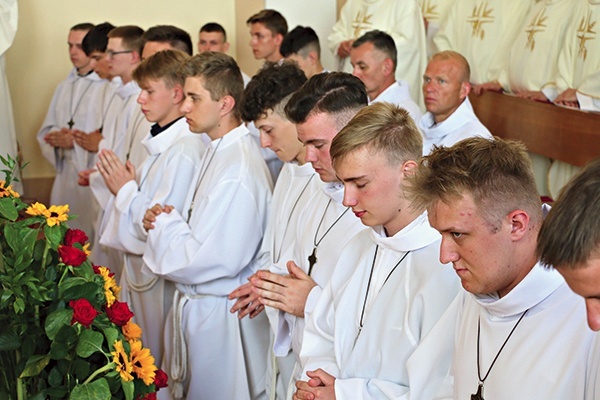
(45, 255)
(107, 367)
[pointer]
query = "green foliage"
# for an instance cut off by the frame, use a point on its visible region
(47, 349)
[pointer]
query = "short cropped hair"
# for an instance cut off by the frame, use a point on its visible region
(269, 88)
(496, 173)
(382, 127)
(381, 41)
(97, 38)
(214, 27)
(176, 37)
(162, 65)
(130, 35)
(84, 26)
(300, 40)
(465, 76)
(570, 234)
(220, 74)
(336, 93)
(272, 20)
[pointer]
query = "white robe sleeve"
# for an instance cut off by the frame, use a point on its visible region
(53, 154)
(318, 347)
(220, 242)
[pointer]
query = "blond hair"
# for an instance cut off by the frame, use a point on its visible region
(383, 127)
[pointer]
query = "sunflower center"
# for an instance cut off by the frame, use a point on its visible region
(53, 214)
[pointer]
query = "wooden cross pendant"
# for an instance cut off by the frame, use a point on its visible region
(479, 394)
(71, 123)
(312, 260)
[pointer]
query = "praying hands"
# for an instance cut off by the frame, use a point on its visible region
(152, 213)
(115, 173)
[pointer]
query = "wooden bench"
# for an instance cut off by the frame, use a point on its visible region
(556, 132)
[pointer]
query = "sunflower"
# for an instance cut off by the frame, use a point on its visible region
(111, 289)
(143, 362)
(7, 191)
(131, 331)
(124, 366)
(54, 215)
(57, 215)
(38, 209)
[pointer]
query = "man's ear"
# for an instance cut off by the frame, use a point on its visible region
(227, 104)
(135, 57)
(465, 89)
(519, 222)
(178, 95)
(388, 67)
(278, 39)
(226, 47)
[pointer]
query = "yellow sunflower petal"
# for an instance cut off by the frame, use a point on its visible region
(37, 209)
(142, 362)
(57, 214)
(123, 365)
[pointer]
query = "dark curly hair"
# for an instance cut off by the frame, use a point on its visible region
(267, 89)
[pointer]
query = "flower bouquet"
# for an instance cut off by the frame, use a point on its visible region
(63, 331)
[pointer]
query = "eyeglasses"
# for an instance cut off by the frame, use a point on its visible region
(111, 53)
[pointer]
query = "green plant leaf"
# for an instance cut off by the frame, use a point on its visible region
(19, 306)
(111, 335)
(69, 283)
(90, 342)
(88, 290)
(8, 209)
(54, 235)
(96, 390)
(9, 341)
(57, 320)
(35, 365)
(128, 389)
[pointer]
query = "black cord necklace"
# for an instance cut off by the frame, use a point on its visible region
(479, 394)
(362, 314)
(312, 259)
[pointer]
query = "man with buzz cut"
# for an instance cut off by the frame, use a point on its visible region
(264, 102)
(267, 30)
(374, 59)
(175, 156)
(165, 37)
(301, 45)
(388, 288)
(450, 117)
(74, 107)
(508, 330)
(319, 109)
(570, 242)
(212, 247)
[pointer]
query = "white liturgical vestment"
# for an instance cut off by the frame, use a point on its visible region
(483, 31)
(175, 157)
(76, 102)
(434, 12)
(397, 287)
(461, 124)
(402, 20)
(533, 61)
(295, 185)
(398, 93)
(208, 251)
(317, 225)
(545, 357)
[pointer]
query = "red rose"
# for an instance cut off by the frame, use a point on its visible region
(119, 313)
(160, 379)
(83, 312)
(75, 236)
(71, 255)
(96, 269)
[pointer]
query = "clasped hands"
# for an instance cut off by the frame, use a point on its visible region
(287, 293)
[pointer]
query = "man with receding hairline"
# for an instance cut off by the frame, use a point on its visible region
(450, 116)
